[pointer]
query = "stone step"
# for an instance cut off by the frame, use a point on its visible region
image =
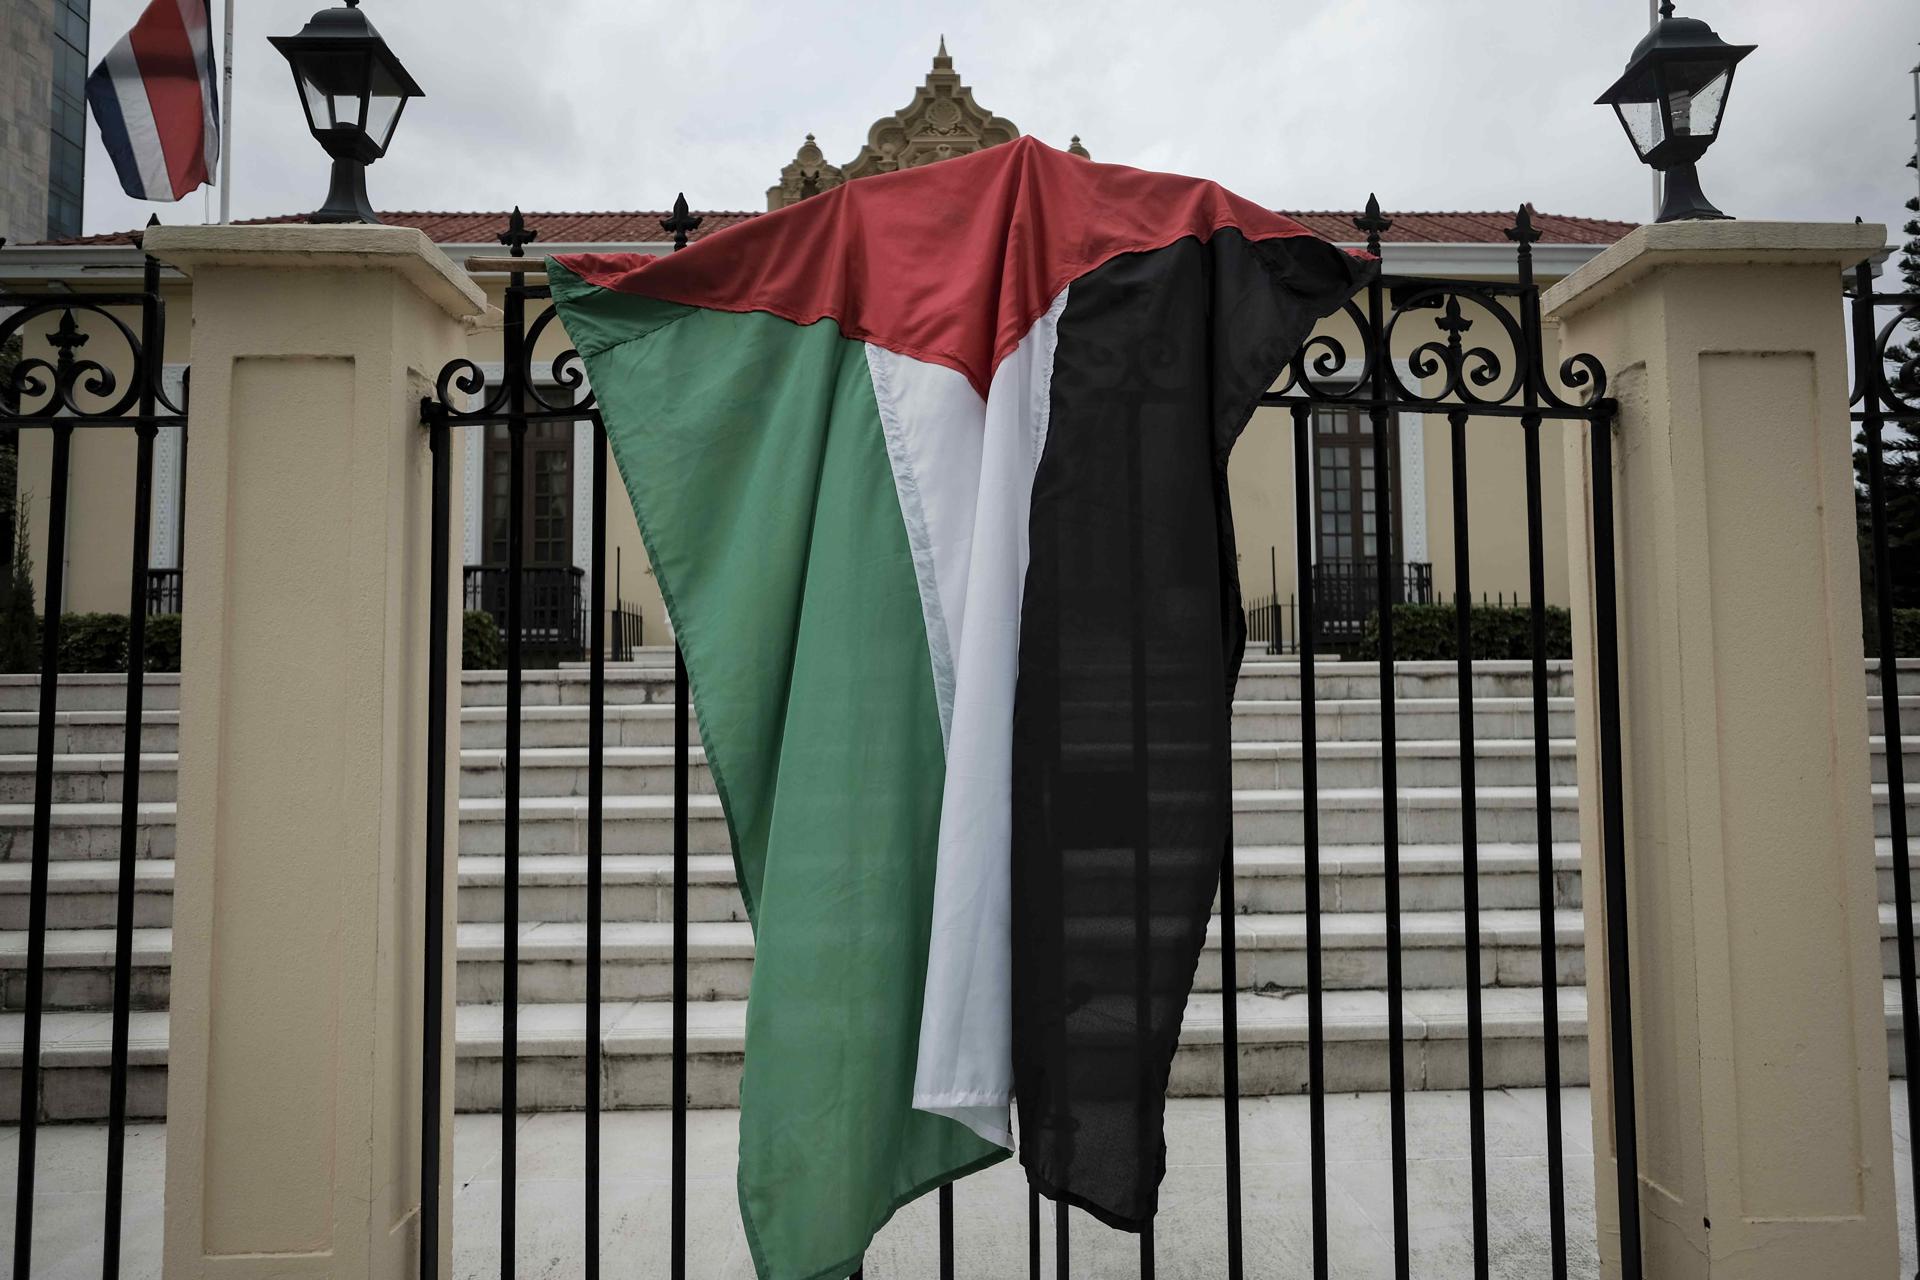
(89, 777)
(1430, 815)
(635, 771)
(636, 957)
(644, 824)
(651, 681)
(86, 732)
(651, 725)
(637, 1050)
(562, 771)
(160, 691)
(639, 887)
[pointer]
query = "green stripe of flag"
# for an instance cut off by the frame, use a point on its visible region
(752, 450)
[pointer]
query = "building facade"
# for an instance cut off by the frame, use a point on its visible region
(942, 120)
(43, 118)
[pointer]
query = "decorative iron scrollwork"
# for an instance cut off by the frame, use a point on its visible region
(1890, 368)
(1485, 356)
(76, 390)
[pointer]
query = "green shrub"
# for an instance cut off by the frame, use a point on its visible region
(96, 643)
(1425, 633)
(93, 642)
(163, 642)
(19, 625)
(1906, 633)
(480, 647)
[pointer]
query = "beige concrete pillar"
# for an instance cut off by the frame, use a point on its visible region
(1765, 1143)
(293, 1092)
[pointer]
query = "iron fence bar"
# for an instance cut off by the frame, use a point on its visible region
(1230, 1044)
(1060, 1212)
(596, 809)
(42, 851)
(1387, 594)
(1033, 1233)
(681, 225)
(1274, 644)
(1469, 844)
(680, 869)
(1147, 1152)
(1543, 828)
(1310, 831)
(1867, 378)
(1626, 1141)
(947, 1231)
(515, 376)
(440, 578)
(130, 790)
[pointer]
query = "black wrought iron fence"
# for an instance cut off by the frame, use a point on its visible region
(90, 362)
(1500, 384)
(1886, 397)
(553, 613)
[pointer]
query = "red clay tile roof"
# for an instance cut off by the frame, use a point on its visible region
(1467, 228)
(644, 227)
(639, 227)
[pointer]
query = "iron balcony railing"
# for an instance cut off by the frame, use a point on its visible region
(553, 611)
(164, 591)
(1347, 593)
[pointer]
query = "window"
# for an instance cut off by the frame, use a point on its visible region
(548, 495)
(1345, 488)
(67, 125)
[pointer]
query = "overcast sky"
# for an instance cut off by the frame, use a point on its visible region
(1300, 104)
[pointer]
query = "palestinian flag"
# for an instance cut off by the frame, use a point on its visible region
(932, 471)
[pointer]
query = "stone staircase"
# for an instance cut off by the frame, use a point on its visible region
(1270, 889)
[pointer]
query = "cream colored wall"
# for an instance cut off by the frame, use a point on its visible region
(1260, 476)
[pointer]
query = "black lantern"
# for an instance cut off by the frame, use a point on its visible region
(353, 89)
(1670, 99)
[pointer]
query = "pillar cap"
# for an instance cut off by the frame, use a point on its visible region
(1644, 250)
(294, 246)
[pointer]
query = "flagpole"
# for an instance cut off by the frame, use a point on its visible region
(226, 123)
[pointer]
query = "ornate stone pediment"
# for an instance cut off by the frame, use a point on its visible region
(941, 122)
(807, 174)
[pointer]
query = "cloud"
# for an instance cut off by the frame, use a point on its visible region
(576, 104)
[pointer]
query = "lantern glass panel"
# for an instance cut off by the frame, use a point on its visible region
(1696, 96)
(389, 96)
(1643, 121)
(334, 86)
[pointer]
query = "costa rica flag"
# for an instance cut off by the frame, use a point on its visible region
(155, 97)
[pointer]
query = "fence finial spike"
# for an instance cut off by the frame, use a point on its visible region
(1523, 231)
(681, 224)
(1374, 223)
(517, 236)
